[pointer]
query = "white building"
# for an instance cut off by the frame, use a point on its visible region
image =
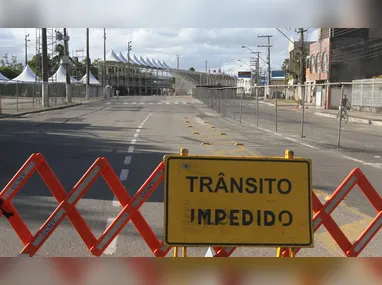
(244, 83)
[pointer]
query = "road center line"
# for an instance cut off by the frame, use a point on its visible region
(124, 174)
(112, 248)
(127, 160)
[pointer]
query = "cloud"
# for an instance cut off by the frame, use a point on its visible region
(220, 47)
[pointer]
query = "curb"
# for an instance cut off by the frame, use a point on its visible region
(352, 119)
(4, 116)
(38, 111)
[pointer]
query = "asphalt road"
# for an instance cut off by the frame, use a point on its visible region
(71, 140)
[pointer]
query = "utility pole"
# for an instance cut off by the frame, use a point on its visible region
(104, 56)
(269, 55)
(129, 47)
(177, 65)
(301, 31)
(87, 66)
(26, 48)
(206, 72)
(66, 54)
(45, 89)
(66, 63)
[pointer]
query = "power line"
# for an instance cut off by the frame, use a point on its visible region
(359, 57)
(357, 52)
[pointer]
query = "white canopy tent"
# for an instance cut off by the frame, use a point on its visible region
(111, 56)
(60, 76)
(3, 78)
(138, 61)
(27, 76)
(92, 80)
(120, 55)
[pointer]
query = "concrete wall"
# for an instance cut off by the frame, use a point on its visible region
(335, 97)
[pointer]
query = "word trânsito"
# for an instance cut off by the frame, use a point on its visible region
(248, 185)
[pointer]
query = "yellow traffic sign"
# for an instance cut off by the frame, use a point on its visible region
(238, 201)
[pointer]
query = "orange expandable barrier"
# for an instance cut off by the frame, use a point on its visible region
(67, 202)
(322, 217)
(131, 205)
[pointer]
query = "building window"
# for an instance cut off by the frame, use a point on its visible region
(313, 64)
(318, 59)
(325, 65)
(307, 62)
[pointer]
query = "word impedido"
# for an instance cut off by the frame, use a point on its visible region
(242, 217)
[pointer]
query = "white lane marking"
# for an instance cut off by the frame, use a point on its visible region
(112, 248)
(151, 103)
(285, 137)
(199, 121)
(134, 102)
(125, 103)
(113, 245)
(116, 202)
(127, 160)
(376, 165)
(159, 103)
(176, 103)
(141, 103)
(124, 174)
(108, 103)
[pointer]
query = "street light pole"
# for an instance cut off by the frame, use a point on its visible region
(129, 47)
(104, 56)
(26, 49)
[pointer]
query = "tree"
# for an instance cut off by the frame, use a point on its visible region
(10, 69)
(291, 70)
(191, 69)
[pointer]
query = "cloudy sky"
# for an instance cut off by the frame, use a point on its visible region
(220, 47)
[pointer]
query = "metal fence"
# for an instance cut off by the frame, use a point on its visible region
(367, 94)
(280, 108)
(18, 97)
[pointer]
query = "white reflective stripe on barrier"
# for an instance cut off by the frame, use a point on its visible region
(110, 234)
(85, 183)
(49, 227)
(317, 222)
(330, 207)
(18, 180)
(368, 235)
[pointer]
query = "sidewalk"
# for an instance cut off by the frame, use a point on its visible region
(354, 116)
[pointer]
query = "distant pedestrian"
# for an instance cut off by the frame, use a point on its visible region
(117, 93)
